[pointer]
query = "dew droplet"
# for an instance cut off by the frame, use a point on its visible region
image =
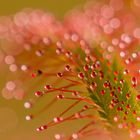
(138, 131)
(57, 136)
(136, 33)
(138, 97)
(38, 93)
(19, 93)
(115, 23)
(108, 29)
(57, 119)
(6, 94)
(138, 118)
(81, 75)
(67, 68)
(10, 85)
(47, 87)
(75, 136)
(13, 67)
(9, 59)
(24, 67)
(93, 74)
(28, 117)
(107, 11)
(60, 96)
(27, 105)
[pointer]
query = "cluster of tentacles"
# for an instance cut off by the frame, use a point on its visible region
(90, 60)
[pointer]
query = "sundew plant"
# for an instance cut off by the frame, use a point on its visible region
(86, 64)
